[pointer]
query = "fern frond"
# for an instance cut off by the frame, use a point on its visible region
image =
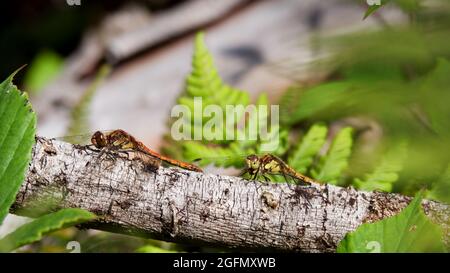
(232, 156)
(302, 157)
(276, 142)
(254, 122)
(386, 173)
(205, 82)
(79, 115)
(332, 165)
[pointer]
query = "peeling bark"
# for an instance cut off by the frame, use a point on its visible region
(183, 206)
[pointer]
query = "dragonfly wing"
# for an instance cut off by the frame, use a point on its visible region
(230, 161)
(82, 139)
(76, 139)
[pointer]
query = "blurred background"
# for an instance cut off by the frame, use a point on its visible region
(99, 65)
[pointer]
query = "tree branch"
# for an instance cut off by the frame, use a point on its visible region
(182, 206)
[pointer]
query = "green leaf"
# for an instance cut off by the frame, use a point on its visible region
(44, 68)
(17, 130)
(409, 231)
(386, 173)
(79, 115)
(303, 156)
(154, 249)
(33, 231)
(335, 161)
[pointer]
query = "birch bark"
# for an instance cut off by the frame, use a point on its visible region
(182, 206)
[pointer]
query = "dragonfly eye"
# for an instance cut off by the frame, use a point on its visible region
(252, 158)
(99, 139)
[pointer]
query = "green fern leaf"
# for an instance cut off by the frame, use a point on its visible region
(276, 142)
(232, 156)
(250, 133)
(205, 82)
(303, 156)
(335, 161)
(386, 173)
(35, 230)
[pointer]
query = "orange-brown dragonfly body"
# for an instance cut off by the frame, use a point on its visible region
(121, 140)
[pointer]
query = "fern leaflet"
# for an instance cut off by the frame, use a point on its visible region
(303, 156)
(332, 165)
(386, 173)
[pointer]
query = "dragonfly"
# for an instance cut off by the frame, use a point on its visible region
(261, 165)
(120, 140)
(273, 165)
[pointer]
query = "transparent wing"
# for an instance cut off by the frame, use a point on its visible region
(83, 139)
(226, 162)
(237, 161)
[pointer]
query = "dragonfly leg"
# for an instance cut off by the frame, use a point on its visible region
(255, 176)
(266, 178)
(287, 180)
(243, 173)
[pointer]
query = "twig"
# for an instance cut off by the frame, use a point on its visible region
(183, 206)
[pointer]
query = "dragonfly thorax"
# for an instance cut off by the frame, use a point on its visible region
(272, 166)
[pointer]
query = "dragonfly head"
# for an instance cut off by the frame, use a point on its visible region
(99, 139)
(252, 162)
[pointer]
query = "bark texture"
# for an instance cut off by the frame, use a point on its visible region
(183, 206)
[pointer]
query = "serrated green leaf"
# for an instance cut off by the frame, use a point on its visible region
(302, 157)
(17, 131)
(33, 231)
(335, 161)
(386, 173)
(409, 231)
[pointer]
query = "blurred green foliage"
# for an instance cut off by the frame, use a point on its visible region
(44, 68)
(398, 77)
(79, 116)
